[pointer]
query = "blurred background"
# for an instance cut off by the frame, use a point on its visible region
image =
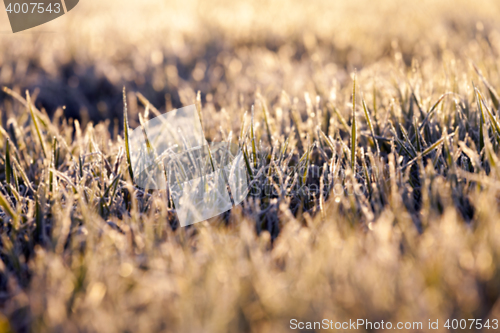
(168, 50)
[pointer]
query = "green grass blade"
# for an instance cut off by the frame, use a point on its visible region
(8, 165)
(242, 130)
(7, 208)
(210, 157)
(435, 145)
(353, 126)
(327, 140)
(35, 122)
(143, 128)
(23, 174)
(416, 100)
(341, 119)
(252, 133)
(417, 135)
(52, 165)
(496, 126)
(266, 121)
(432, 109)
(146, 103)
(283, 151)
(493, 95)
(401, 143)
(127, 135)
(370, 125)
(481, 119)
(367, 174)
(407, 139)
(306, 167)
(198, 107)
(428, 150)
(247, 163)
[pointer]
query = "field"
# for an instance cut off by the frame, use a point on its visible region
(371, 132)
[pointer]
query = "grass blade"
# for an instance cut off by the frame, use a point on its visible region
(481, 119)
(370, 126)
(341, 119)
(4, 203)
(428, 150)
(247, 163)
(266, 120)
(417, 135)
(401, 143)
(198, 107)
(432, 109)
(35, 122)
(490, 114)
(353, 126)
(8, 165)
(306, 167)
(493, 95)
(146, 103)
(127, 135)
(327, 140)
(416, 100)
(252, 133)
(143, 128)
(367, 174)
(435, 145)
(407, 138)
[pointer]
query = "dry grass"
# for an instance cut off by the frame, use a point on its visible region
(375, 198)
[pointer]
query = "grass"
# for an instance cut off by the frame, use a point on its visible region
(388, 216)
(126, 135)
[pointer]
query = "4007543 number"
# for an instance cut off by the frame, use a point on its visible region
(26, 14)
(471, 324)
(33, 7)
